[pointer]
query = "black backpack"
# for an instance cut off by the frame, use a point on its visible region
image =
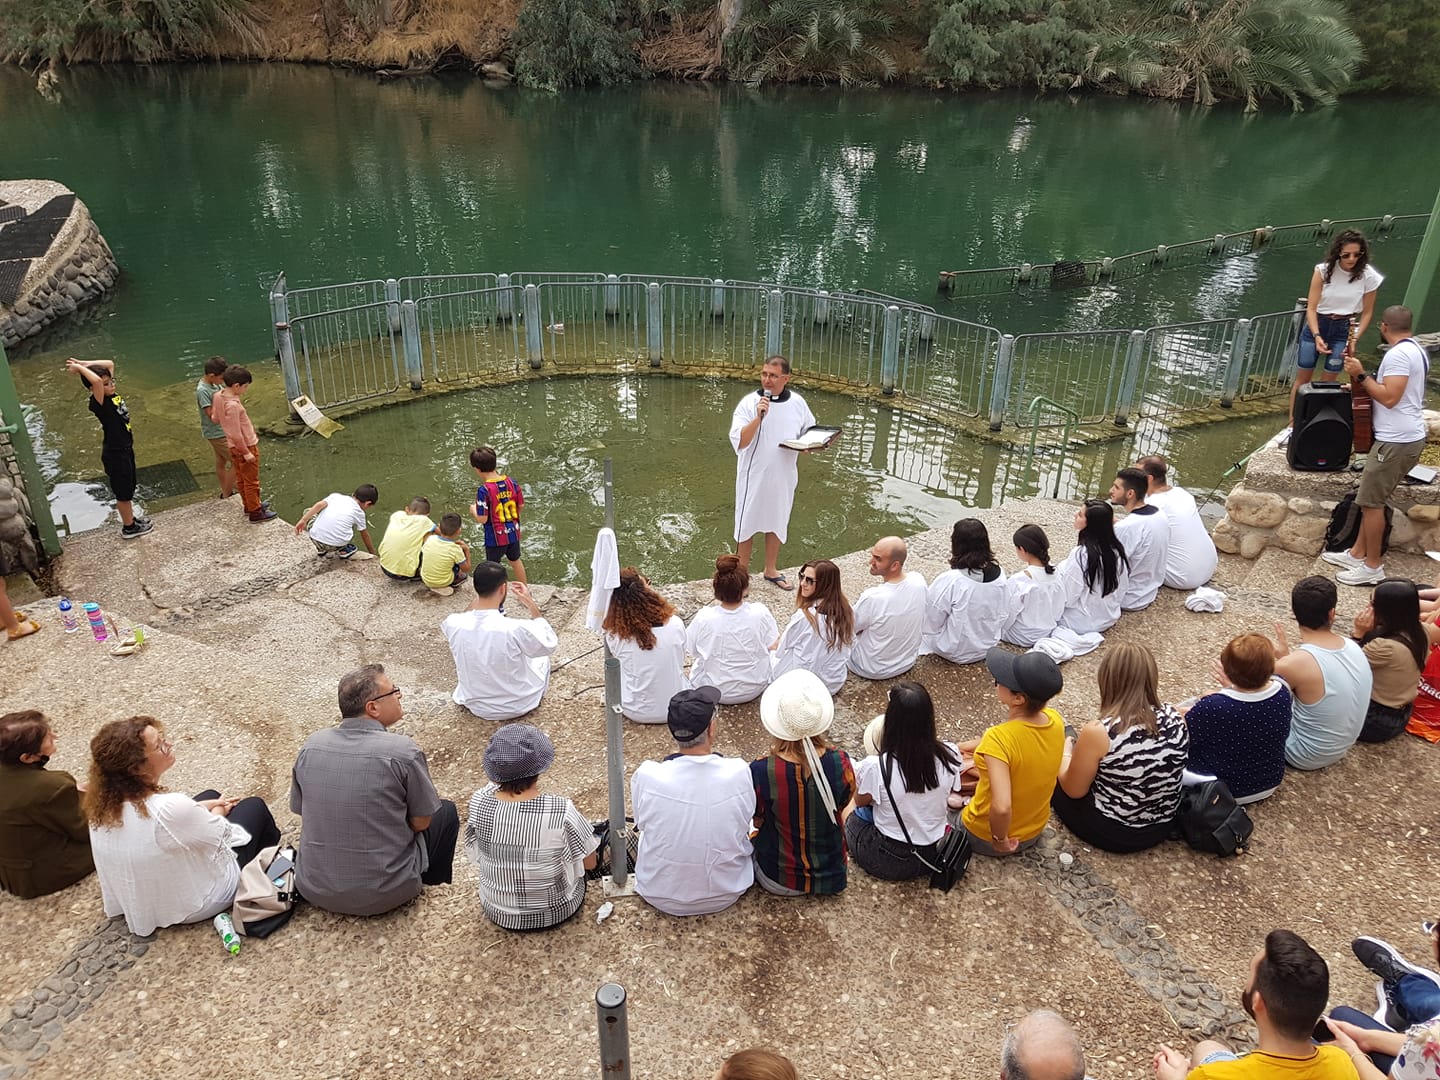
(1210, 820)
(1344, 527)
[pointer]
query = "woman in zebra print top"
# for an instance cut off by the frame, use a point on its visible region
(1120, 777)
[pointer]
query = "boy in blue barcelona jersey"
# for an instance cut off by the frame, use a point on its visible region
(498, 500)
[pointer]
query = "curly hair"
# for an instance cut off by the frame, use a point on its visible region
(1332, 256)
(636, 609)
(117, 752)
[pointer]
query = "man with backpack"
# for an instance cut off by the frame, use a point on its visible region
(1398, 420)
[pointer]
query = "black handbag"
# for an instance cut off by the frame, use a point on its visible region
(1210, 820)
(948, 858)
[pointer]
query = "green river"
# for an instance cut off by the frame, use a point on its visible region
(208, 181)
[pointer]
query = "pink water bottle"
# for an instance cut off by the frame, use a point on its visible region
(97, 621)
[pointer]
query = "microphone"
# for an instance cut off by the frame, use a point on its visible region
(768, 397)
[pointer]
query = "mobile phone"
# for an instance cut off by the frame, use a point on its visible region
(280, 866)
(1322, 1032)
(1428, 926)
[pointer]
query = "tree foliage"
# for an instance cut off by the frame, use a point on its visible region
(991, 43)
(56, 31)
(560, 43)
(1402, 45)
(811, 40)
(1247, 50)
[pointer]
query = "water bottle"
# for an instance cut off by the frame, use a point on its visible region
(225, 927)
(67, 616)
(97, 621)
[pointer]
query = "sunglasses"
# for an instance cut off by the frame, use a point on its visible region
(807, 579)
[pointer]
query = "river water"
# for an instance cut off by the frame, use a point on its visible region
(210, 180)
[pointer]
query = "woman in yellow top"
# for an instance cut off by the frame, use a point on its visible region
(1016, 760)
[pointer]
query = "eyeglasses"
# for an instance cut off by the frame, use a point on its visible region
(382, 697)
(807, 579)
(164, 746)
(1350, 255)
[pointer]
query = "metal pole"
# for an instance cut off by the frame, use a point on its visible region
(890, 350)
(410, 342)
(289, 370)
(774, 323)
(1238, 348)
(36, 493)
(534, 346)
(1424, 272)
(1000, 388)
(1134, 355)
(614, 1031)
(654, 323)
(615, 744)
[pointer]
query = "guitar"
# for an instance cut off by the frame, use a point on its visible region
(1360, 403)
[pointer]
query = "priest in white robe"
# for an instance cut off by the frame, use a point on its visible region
(765, 472)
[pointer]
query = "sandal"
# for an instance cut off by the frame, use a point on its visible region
(779, 582)
(27, 627)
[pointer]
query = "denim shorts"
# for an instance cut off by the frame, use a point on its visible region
(1335, 333)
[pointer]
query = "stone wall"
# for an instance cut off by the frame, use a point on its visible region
(52, 269)
(1275, 506)
(17, 521)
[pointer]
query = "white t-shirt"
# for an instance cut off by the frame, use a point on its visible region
(803, 646)
(1145, 535)
(1341, 296)
(1086, 611)
(502, 665)
(694, 815)
(1190, 559)
(649, 678)
(889, 622)
(732, 650)
(964, 615)
(338, 521)
(174, 866)
(1036, 600)
(924, 813)
(1403, 422)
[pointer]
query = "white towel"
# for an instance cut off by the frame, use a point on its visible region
(1065, 644)
(604, 578)
(1206, 599)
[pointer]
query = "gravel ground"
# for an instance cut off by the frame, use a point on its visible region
(250, 633)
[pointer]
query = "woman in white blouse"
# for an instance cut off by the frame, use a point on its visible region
(1095, 572)
(1036, 594)
(648, 639)
(731, 640)
(162, 857)
(819, 636)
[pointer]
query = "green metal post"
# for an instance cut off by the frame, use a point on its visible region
(1424, 272)
(35, 490)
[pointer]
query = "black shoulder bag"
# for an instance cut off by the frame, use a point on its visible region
(949, 856)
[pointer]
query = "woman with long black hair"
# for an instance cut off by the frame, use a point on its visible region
(1095, 572)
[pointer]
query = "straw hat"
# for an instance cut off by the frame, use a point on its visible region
(873, 732)
(796, 706)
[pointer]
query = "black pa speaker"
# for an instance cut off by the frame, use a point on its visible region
(1324, 432)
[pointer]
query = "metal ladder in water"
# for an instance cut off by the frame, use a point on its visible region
(1072, 421)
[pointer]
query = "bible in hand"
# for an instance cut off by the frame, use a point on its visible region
(813, 438)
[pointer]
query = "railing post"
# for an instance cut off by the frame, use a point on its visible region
(927, 326)
(1238, 347)
(392, 304)
(774, 322)
(717, 299)
(1292, 351)
(534, 342)
(612, 295)
(279, 307)
(654, 323)
(505, 301)
(1134, 356)
(822, 308)
(1000, 388)
(890, 350)
(410, 343)
(614, 1028)
(289, 370)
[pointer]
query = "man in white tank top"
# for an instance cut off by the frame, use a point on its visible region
(1329, 679)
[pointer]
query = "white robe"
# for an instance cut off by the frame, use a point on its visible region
(765, 473)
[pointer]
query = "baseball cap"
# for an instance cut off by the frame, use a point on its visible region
(1033, 673)
(691, 711)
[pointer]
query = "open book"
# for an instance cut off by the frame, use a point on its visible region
(813, 438)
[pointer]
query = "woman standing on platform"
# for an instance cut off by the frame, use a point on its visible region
(1342, 288)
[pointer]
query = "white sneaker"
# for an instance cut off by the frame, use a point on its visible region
(448, 590)
(1361, 575)
(358, 556)
(1341, 558)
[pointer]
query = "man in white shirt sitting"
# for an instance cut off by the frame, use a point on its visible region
(694, 812)
(1145, 534)
(889, 617)
(502, 665)
(1191, 559)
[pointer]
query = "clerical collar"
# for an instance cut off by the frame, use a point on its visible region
(784, 395)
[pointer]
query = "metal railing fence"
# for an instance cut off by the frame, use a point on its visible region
(1076, 273)
(452, 328)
